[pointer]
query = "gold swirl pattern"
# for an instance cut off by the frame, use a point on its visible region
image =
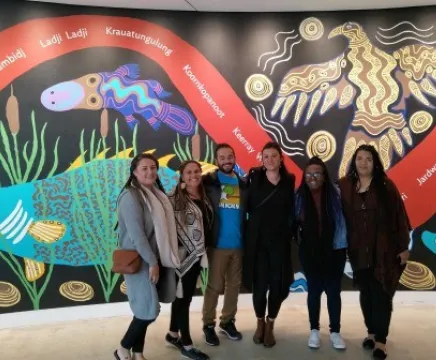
(417, 276)
(407, 136)
(346, 96)
(416, 60)
(428, 87)
(258, 87)
(420, 122)
(301, 105)
(9, 295)
(371, 73)
(349, 147)
(307, 78)
(123, 288)
(321, 144)
(34, 270)
(311, 29)
(47, 231)
(354, 33)
(76, 291)
(375, 125)
(330, 98)
(316, 97)
(416, 91)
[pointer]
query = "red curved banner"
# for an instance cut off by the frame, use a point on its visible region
(215, 104)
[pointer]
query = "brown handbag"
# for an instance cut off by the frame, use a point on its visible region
(126, 261)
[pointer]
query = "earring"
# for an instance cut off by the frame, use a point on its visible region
(183, 186)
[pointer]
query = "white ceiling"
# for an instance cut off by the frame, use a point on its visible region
(249, 5)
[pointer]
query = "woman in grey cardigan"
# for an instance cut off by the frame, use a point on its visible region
(146, 224)
(194, 218)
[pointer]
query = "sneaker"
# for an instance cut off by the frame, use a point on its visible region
(229, 329)
(337, 341)
(211, 336)
(314, 340)
(368, 343)
(194, 354)
(175, 341)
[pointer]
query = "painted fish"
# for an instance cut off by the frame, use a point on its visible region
(69, 218)
(429, 240)
(120, 90)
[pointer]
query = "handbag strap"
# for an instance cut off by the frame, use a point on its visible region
(267, 197)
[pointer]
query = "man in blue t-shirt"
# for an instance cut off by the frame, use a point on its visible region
(227, 192)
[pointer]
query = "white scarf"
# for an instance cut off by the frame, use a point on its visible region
(165, 231)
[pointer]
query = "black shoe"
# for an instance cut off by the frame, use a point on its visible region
(379, 354)
(211, 336)
(229, 329)
(194, 354)
(175, 341)
(368, 344)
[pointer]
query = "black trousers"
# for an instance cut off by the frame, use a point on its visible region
(376, 305)
(180, 307)
(134, 338)
(267, 279)
(329, 283)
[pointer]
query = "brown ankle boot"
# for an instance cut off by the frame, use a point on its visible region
(260, 331)
(269, 339)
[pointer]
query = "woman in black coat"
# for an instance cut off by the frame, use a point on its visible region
(267, 240)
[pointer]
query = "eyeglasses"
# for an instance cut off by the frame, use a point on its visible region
(315, 175)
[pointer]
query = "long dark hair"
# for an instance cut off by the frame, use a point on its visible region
(181, 196)
(274, 145)
(378, 174)
(133, 181)
(330, 195)
(378, 183)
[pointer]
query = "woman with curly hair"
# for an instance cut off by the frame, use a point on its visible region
(378, 238)
(322, 240)
(194, 218)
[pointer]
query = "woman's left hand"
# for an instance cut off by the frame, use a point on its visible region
(404, 257)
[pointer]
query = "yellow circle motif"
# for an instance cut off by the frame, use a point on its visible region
(9, 295)
(311, 29)
(258, 87)
(76, 291)
(123, 288)
(321, 144)
(421, 121)
(417, 276)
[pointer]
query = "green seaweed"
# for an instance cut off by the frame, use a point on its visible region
(184, 153)
(99, 241)
(34, 289)
(204, 279)
(20, 165)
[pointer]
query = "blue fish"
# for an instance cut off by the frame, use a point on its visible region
(429, 240)
(122, 91)
(300, 283)
(68, 219)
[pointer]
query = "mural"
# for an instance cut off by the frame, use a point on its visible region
(84, 90)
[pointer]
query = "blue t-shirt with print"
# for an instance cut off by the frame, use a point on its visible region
(230, 220)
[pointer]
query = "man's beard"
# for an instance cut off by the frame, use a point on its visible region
(221, 168)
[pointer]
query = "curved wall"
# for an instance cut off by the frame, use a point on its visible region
(176, 84)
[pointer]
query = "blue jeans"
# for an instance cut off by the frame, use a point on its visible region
(330, 284)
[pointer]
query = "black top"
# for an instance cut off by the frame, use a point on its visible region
(274, 213)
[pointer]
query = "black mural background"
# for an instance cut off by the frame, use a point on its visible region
(232, 43)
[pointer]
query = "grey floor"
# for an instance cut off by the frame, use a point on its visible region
(413, 336)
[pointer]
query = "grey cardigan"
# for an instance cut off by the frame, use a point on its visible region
(136, 232)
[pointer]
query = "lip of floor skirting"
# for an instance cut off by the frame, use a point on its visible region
(59, 315)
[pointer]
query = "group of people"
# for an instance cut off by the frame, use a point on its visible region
(241, 229)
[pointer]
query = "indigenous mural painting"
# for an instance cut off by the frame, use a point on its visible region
(83, 90)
